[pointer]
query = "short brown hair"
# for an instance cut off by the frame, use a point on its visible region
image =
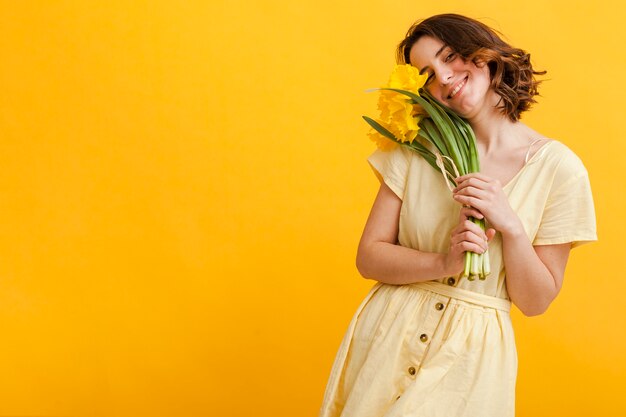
(512, 74)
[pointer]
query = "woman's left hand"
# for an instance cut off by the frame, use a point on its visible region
(485, 194)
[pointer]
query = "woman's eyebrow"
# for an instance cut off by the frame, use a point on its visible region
(436, 55)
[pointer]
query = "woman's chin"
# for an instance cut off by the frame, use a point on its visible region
(460, 112)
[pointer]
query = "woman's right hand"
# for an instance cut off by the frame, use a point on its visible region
(466, 236)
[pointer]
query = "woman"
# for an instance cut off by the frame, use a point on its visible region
(425, 342)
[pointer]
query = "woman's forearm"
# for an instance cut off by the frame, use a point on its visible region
(529, 283)
(398, 265)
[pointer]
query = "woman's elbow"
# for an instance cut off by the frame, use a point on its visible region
(360, 266)
(361, 263)
(540, 304)
(533, 312)
(536, 309)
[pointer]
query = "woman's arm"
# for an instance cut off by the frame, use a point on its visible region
(534, 275)
(379, 256)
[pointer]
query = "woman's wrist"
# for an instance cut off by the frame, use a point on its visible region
(443, 264)
(447, 268)
(513, 230)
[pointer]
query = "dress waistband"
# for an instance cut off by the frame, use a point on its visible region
(465, 295)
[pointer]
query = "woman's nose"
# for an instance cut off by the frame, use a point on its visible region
(444, 74)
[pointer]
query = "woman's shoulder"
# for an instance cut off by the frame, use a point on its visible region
(560, 164)
(562, 156)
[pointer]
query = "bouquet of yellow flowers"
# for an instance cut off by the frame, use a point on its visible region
(408, 111)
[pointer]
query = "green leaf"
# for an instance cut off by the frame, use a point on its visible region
(406, 93)
(428, 155)
(448, 131)
(465, 133)
(380, 129)
(429, 126)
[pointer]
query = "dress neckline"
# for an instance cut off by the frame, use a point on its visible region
(539, 152)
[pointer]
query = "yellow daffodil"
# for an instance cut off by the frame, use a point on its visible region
(397, 113)
(381, 142)
(407, 77)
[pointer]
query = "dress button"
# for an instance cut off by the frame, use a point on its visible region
(411, 371)
(424, 338)
(439, 306)
(398, 397)
(451, 281)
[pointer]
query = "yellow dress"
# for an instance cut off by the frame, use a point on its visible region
(446, 348)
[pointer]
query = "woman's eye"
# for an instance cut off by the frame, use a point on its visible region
(429, 79)
(450, 56)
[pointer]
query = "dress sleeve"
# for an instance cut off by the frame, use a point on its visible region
(392, 167)
(569, 214)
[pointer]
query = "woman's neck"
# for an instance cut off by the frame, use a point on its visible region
(496, 132)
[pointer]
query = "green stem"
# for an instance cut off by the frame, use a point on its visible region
(468, 263)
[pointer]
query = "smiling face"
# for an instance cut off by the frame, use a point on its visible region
(462, 86)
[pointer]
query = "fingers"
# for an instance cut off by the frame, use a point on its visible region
(471, 227)
(477, 182)
(475, 245)
(468, 201)
(466, 194)
(490, 234)
(468, 236)
(477, 175)
(471, 195)
(467, 212)
(471, 191)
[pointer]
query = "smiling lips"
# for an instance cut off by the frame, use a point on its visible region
(457, 88)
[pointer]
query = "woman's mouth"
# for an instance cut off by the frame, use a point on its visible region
(458, 88)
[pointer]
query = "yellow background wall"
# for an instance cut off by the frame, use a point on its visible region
(183, 186)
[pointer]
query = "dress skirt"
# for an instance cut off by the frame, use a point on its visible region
(425, 349)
